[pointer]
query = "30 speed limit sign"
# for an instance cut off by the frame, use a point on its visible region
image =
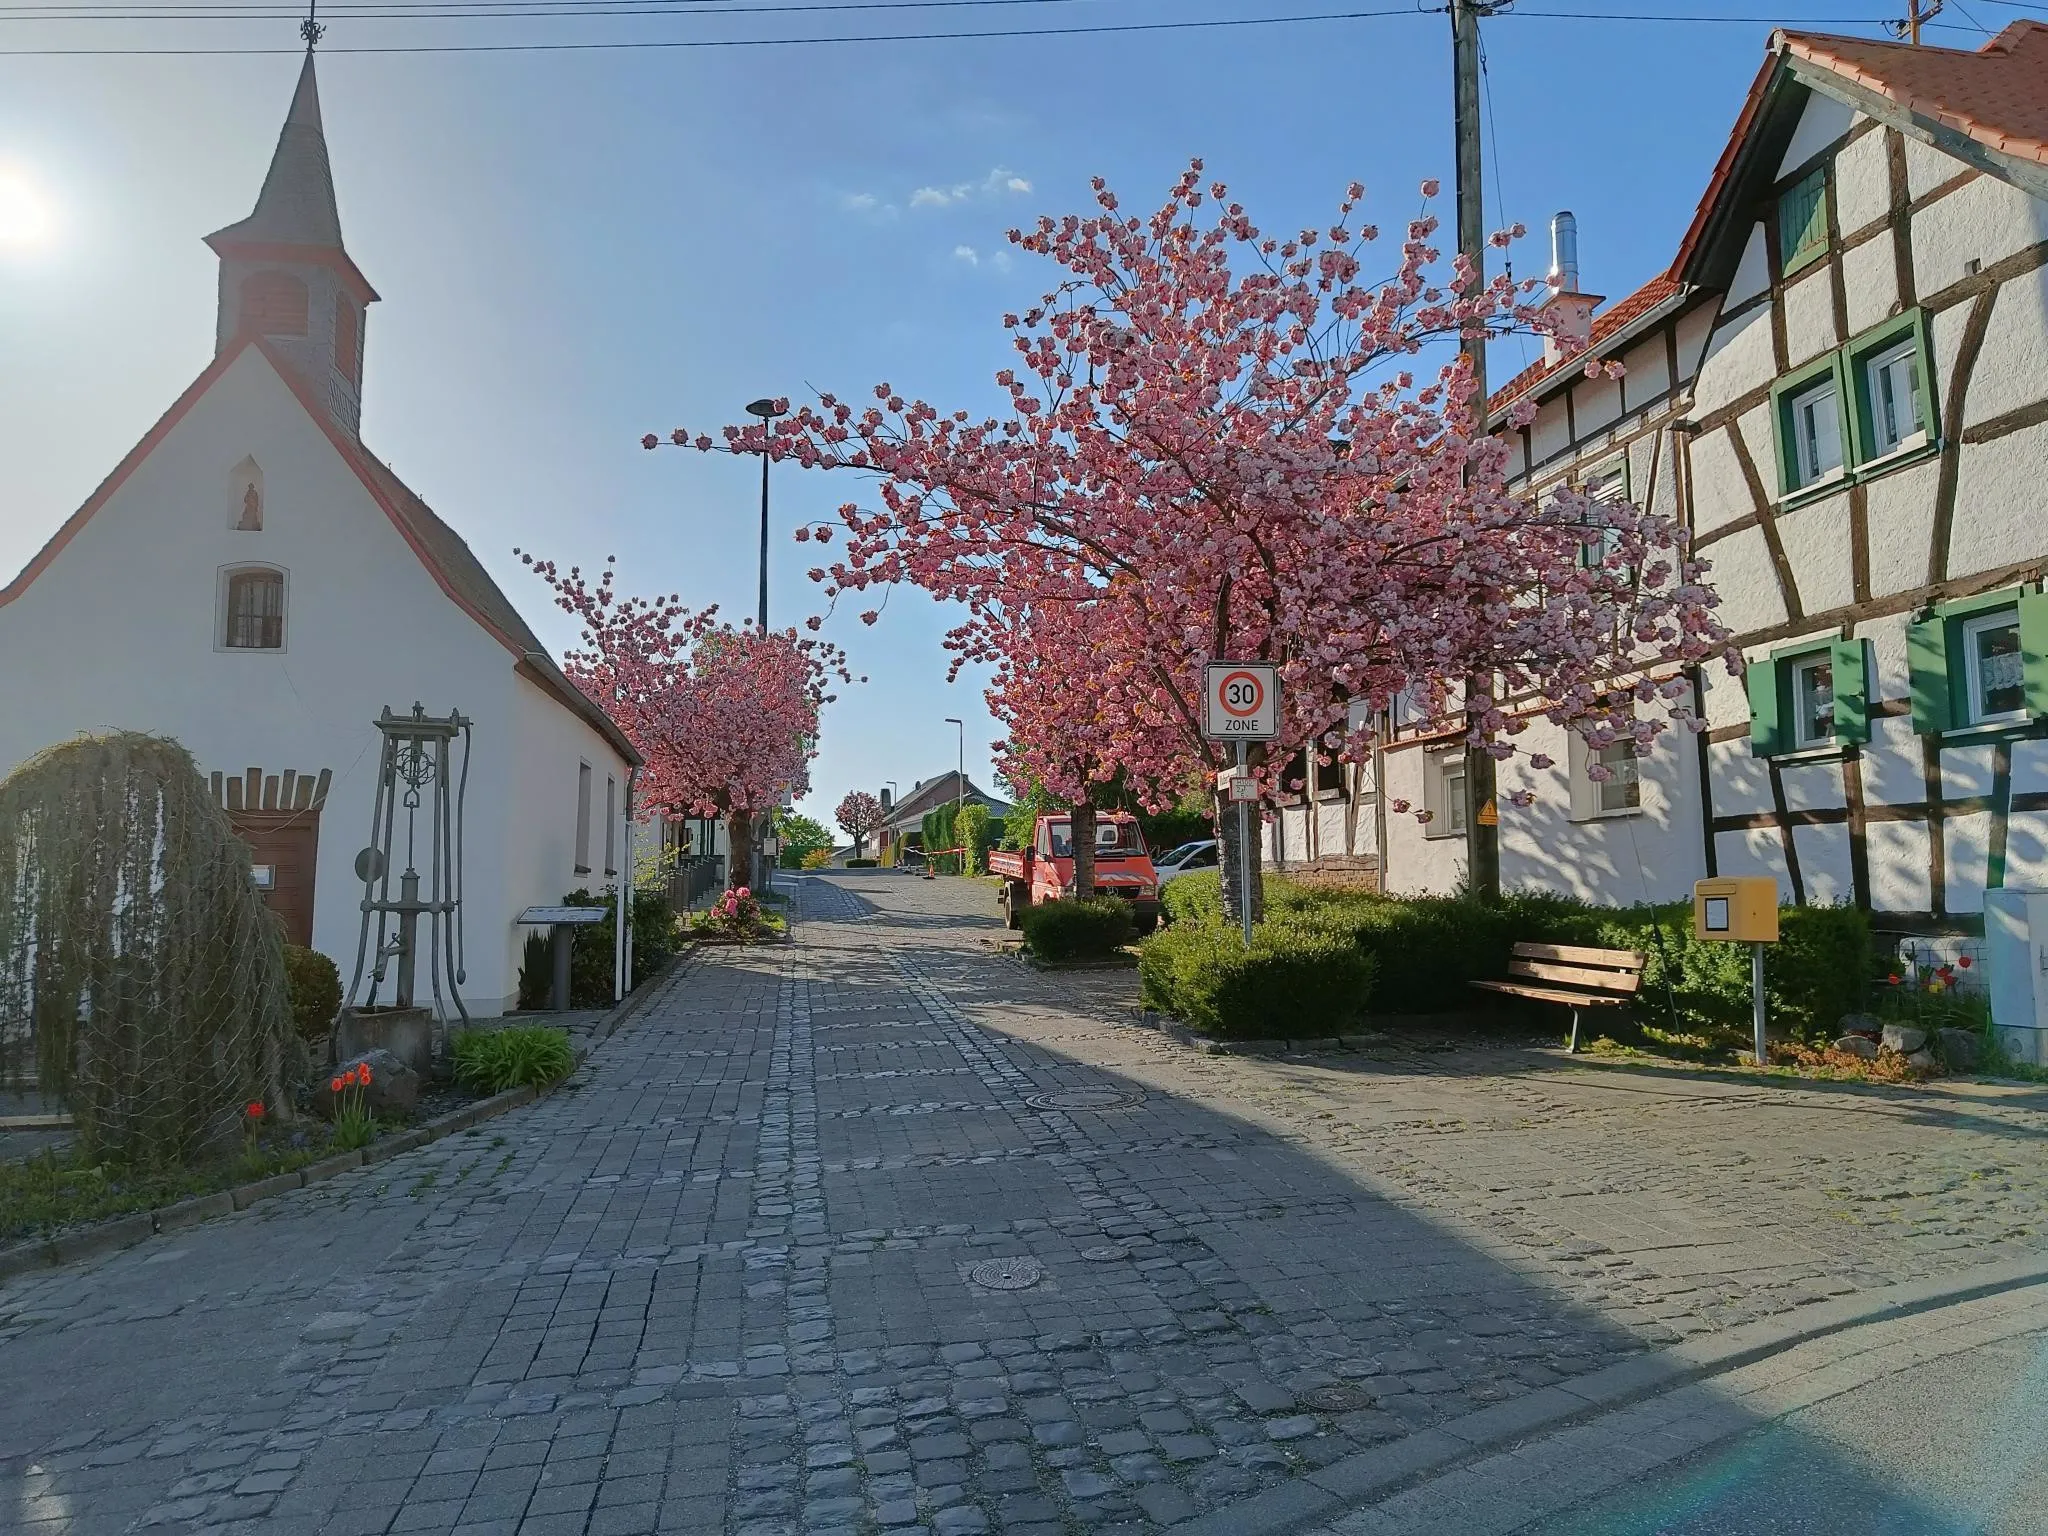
(1241, 701)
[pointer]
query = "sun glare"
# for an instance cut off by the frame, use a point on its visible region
(26, 220)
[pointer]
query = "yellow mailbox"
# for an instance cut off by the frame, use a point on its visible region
(1742, 909)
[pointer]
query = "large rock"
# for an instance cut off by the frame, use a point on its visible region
(1920, 1060)
(1903, 1038)
(394, 1086)
(1961, 1049)
(1857, 1045)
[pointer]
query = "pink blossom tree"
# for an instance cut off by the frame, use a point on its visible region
(1230, 445)
(859, 814)
(726, 719)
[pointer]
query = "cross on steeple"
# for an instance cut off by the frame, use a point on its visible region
(310, 29)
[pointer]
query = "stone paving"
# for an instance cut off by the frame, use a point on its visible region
(883, 1232)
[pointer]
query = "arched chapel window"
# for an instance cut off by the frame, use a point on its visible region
(254, 616)
(273, 304)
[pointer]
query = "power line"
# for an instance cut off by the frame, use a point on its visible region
(187, 10)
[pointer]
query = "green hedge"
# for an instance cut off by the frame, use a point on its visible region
(592, 950)
(862, 863)
(1295, 981)
(976, 831)
(1077, 930)
(312, 983)
(1429, 949)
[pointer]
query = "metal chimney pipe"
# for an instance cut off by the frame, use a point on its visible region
(1564, 252)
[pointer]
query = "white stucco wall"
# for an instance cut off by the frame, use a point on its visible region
(125, 623)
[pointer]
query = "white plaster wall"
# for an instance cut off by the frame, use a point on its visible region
(2001, 516)
(2012, 365)
(1824, 864)
(1810, 316)
(123, 622)
(1695, 329)
(550, 744)
(1747, 582)
(1754, 853)
(1646, 371)
(1653, 855)
(1863, 192)
(1416, 862)
(1898, 854)
(2026, 850)
(1969, 851)
(2029, 767)
(1899, 508)
(1823, 121)
(1738, 359)
(1742, 782)
(1719, 492)
(1928, 168)
(1752, 273)
(1965, 771)
(1984, 221)
(1892, 769)
(1870, 278)
(1596, 403)
(1813, 784)
(1548, 434)
(1816, 539)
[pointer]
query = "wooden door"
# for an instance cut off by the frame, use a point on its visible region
(284, 848)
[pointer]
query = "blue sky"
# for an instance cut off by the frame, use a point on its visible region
(576, 248)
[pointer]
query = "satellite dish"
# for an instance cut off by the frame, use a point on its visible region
(369, 865)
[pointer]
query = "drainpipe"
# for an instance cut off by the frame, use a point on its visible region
(622, 925)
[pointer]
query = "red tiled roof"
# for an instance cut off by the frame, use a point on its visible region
(1605, 324)
(1998, 95)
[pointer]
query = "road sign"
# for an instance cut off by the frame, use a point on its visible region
(1244, 788)
(1241, 701)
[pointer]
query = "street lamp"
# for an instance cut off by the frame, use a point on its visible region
(767, 410)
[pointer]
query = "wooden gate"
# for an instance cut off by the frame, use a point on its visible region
(278, 816)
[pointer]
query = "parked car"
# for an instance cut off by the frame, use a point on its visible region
(1045, 870)
(1203, 853)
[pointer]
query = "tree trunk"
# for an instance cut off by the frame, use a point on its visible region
(860, 841)
(1083, 829)
(1232, 866)
(739, 850)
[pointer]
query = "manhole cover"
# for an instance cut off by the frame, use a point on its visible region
(1086, 1098)
(1336, 1398)
(1107, 1254)
(1006, 1274)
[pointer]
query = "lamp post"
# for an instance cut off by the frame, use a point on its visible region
(767, 410)
(960, 784)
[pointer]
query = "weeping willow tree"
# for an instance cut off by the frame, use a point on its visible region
(141, 976)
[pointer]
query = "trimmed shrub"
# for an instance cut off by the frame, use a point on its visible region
(593, 948)
(975, 831)
(862, 863)
(312, 982)
(1077, 930)
(521, 1055)
(817, 858)
(1294, 982)
(1197, 897)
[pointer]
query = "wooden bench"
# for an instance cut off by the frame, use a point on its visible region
(1573, 975)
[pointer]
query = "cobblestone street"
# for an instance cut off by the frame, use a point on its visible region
(886, 1232)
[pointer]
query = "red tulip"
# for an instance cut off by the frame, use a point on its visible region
(1963, 961)
(253, 1109)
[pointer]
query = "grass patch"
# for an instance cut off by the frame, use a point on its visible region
(519, 1056)
(56, 1189)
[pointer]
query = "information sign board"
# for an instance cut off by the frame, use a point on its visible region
(1241, 701)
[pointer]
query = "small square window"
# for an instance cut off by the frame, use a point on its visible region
(1813, 700)
(1892, 380)
(1994, 668)
(1814, 419)
(1622, 790)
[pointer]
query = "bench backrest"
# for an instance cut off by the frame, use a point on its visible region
(1574, 965)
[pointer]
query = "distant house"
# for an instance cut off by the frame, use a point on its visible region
(1840, 386)
(253, 581)
(903, 823)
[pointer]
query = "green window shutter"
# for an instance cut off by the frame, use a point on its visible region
(1927, 657)
(2034, 647)
(1803, 220)
(1766, 737)
(1852, 690)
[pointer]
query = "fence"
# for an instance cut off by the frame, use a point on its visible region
(1930, 982)
(693, 877)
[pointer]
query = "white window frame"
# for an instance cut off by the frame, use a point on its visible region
(1446, 810)
(1805, 461)
(1875, 367)
(584, 777)
(1589, 795)
(1973, 675)
(1801, 736)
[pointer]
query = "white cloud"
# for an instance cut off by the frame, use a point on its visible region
(967, 254)
(939, 197)
(1000, 180)
(996, 183)
(866, 205)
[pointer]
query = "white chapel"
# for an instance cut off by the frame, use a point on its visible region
(254, 582)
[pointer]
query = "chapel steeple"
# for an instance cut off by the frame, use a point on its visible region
(284, 274)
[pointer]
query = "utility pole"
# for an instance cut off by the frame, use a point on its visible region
(1916, 18)
(1482, 817)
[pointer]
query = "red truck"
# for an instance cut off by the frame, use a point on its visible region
(1045, 871)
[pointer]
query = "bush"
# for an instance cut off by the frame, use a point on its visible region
(519, 1056)
(1077, 930)
(1295, 981)
(536, 972)
(1196, 898)
(592, 950)
(817, 858)
(312, 983)
(736, 915)
(975, 831)
(862, 863)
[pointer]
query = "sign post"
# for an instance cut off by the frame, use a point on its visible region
(1241, 704)
(1741, 909)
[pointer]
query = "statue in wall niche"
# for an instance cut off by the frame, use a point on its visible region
(252, 510)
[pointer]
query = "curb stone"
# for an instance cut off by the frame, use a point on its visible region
(1349, 1481)
(126, 1231)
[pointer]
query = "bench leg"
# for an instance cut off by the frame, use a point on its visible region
(1572, 1048)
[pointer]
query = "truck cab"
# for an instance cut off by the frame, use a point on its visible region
(1045, 872)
